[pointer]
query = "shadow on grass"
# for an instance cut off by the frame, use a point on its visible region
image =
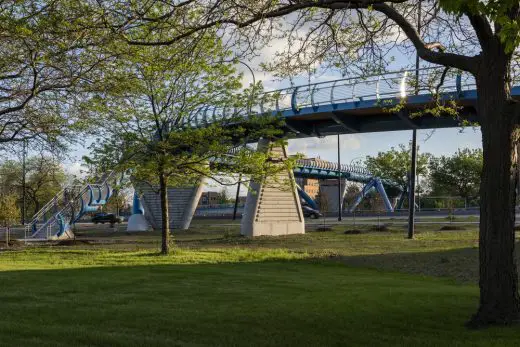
(460, 264)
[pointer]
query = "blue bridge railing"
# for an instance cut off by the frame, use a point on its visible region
(400, 84)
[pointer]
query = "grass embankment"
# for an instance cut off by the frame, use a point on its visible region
(220, 289)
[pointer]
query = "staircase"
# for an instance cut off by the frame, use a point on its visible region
(54, 220)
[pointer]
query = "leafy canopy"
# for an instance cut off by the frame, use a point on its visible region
(395, 164)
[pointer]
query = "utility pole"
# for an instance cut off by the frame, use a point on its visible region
(237, 197)
(411, 197)
(24, 203)
(413, 171)
(340, 197)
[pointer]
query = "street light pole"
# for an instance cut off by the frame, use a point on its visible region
(413, 171)
(340, 202)
(24, 202)
(411, 199)
(237, 196)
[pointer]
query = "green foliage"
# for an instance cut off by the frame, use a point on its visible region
(223, 197)
(395, 164)
(500, 12)
(48, 60)
(9, 210)
(44, 178)
(457, 175)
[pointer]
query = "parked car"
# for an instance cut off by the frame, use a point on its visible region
(310, 212)
(106, 218)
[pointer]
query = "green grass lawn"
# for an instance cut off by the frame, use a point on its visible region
(318, 289)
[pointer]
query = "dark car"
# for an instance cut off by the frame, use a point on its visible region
(310, 212)
(106, 218)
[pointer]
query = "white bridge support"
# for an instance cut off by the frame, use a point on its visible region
(182, 203)
(273, 205)
(329, 194)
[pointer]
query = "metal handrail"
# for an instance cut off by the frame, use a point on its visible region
(52, 220)
(351, 88)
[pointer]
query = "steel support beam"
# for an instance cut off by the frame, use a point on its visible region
(350, 125)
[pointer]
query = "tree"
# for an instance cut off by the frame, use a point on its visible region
(9, 211)
(223, 196)
(44, 178)
(395, 164)
(479, 37)
(151, 118)
(47, 60)
(458, 174)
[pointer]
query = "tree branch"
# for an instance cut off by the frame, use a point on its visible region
(481, 26)
(425, 50)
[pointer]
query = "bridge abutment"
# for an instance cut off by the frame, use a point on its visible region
(273, 205)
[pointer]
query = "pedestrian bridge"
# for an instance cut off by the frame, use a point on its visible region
(384, 102)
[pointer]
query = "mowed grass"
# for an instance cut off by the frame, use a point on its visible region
(218, 289)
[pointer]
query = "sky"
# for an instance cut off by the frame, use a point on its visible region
(354, 147)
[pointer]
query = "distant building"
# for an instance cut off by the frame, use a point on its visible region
(311, 186)
(209, 198)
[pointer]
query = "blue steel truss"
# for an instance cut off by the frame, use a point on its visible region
(328, 170)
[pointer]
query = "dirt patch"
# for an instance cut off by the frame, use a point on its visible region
(73, 242)
(379, 228)
(324, 228)
(13, 244)
(352, 232)
(451, 227)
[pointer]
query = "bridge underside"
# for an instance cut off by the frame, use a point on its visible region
(370, 116)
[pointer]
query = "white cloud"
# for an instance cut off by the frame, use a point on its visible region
(314, 146)
(74, 169)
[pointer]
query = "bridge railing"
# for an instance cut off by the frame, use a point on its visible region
(327, 165)
(400, 84)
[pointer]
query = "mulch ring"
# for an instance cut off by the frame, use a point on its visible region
(452, 228)
(379, 228)
(13, 244)
(352, 232)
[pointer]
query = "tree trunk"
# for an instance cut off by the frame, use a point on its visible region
(165, 225)
(499, 299)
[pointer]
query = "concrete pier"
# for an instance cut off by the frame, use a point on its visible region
(273, 205)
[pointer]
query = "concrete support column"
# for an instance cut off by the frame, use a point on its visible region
(182, 203)
(191, 205)
(273, 205)
(328, 196)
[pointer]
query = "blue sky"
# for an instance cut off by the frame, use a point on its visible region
(355, 146)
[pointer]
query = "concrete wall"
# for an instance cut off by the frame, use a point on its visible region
(273, 205)
(182, 203)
